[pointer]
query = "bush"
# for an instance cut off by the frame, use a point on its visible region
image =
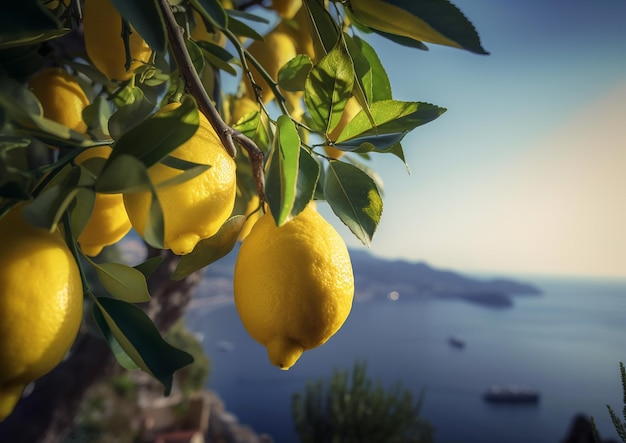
(357, 410)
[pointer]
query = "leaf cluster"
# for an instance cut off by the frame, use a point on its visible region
(353, 408)
(38, 167)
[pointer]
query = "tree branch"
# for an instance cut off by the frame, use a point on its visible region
(194, 86)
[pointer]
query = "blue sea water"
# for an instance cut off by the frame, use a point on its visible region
(567, 343)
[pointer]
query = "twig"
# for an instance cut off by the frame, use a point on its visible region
(194, 86)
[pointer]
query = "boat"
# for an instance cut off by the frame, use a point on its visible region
(511, 394)
(456, 341)
(225, 346)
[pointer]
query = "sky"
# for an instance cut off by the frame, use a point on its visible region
(525, 174)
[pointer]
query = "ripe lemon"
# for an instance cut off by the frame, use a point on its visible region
(41, 301)
(108, 222)
(201, 33)
(273, 52)
(196, 209)
(293, 285)
(253, 213)
(240, 107)
(349, 112)
(301, 31)
(104, 43)
(61, 97)
(286, 8)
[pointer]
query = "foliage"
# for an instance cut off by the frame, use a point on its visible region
(191, 378)
(351, 409)
(279, 152)
(620, 427)
(110, 413)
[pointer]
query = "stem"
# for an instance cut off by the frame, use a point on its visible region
(194, 85)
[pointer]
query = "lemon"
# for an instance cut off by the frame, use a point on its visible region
(293, 285)
(61, 97)
(41, 300)
(104, 43)
(286, 8)
(240, 107)
(197, 208)
(253, 213)
(108, 222)
(201, 33)
(349, 112)
(299, 28)
(272, 53)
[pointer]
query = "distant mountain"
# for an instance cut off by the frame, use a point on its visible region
(378, 278)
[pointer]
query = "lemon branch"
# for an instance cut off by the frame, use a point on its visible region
(194, 85)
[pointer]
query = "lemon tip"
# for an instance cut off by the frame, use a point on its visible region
(283, 352)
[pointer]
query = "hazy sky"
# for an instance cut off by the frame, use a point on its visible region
(526, 171)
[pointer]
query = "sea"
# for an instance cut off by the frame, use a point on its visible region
(567, 343)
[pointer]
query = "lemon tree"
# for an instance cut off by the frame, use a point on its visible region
(113, 115)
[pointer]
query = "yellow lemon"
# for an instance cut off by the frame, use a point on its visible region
(104, 43)
(61, 97)
(349, 112)
(240, 107)
(286, 8)
(200, 32)
(253, 213)
(197, 208)
(293, 285)
(41, 300)
(272, 53)
(108, 222)
(301, 31)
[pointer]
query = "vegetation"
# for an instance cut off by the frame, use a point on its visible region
(351, 409)
(620, 426)
(190, 160)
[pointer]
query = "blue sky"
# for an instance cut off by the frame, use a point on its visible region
(526, 171)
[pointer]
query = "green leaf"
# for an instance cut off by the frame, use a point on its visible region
(210, 249)
(47, 209)
(195, 54)
(148, 267)
(323, 25)
(21, 39)
(213, 11)
(328, 87)
(190, 170)
(17, 101)
(146, 18)
(122, 282)
(308, 176)
(292, 76)
(393, 120)
(135, 110)
(253, 126)
(282, 174)
(141, 341)
(433, 21)
(156, 137)
(218, 57)
(81, 212)
(354, 198)
(125, 174)
(26, 18)
(241, 29)
(96, 116)
(369, 70)
(120, 355)
(154, 231)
